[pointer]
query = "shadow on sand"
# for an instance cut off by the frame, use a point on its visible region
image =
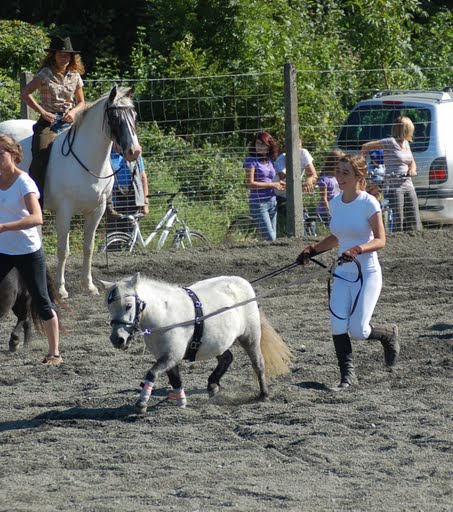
(317, 386)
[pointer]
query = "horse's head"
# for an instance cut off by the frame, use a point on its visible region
(121, 117)
(125, 308)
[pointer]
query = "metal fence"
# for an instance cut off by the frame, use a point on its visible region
(194, 132)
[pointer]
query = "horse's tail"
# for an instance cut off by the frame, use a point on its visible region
(276, 353)
(53, 295)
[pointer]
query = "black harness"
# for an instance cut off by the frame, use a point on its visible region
(195, 342)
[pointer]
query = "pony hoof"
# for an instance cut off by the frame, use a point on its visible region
(140, 407)
(13, 343)
(213, 389)
(264, 398)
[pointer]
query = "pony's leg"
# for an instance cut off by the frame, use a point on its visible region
(251, 344)
(63, 224)
(14, 338)
(27, 332)
(163, 364)
(224, 362)
(178, 392)
(89, 229)
(22, 311)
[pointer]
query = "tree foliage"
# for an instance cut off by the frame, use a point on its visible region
(328, 41)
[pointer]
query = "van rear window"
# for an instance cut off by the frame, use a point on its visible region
(371, 122)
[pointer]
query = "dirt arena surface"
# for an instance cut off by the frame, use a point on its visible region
(69, 440)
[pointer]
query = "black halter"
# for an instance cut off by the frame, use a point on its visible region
(139, 307)
(117, 113)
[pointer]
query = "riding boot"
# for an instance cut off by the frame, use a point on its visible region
(343, 349)
(387, 334)
(109, 210)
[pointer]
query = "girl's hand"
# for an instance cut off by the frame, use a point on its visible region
(48, 116)
(279, 185)
(309, 184)
(351, 254)
(69, 117)
(306, 254)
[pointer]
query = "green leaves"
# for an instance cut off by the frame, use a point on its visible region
(21, 47)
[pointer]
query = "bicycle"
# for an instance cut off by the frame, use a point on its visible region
(185, 237)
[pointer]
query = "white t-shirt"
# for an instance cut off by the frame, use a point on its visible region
(280, 167)
(13, 208)
(350, 224)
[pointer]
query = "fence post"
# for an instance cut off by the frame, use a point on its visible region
(294, 206)
(26, 112)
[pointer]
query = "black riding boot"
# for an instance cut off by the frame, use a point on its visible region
(343, 349)
(387, 334)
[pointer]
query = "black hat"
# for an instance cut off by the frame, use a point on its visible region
(61, 45)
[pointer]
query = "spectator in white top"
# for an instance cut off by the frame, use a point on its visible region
(308, 174)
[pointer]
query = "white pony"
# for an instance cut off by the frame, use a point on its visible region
(79, 174)
(166, 314)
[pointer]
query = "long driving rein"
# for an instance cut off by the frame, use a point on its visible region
(72, 132)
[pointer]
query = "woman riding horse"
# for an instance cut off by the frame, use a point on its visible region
(58, 82)
(80, 161)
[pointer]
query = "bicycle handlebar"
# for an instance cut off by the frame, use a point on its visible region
(132, 217)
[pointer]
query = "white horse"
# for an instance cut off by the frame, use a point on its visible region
(79, 174)
(166, 314)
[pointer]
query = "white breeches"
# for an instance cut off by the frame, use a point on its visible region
(342, 299)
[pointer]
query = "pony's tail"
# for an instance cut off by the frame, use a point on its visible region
(53, 295)
(277, 356)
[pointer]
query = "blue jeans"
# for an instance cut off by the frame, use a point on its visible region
(264, 215)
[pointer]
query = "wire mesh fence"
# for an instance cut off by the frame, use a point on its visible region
(195, 131)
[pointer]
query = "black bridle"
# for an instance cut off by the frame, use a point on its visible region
(114, 122)
(139, 307)
(116, 116)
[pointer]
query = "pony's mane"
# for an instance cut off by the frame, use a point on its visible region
(162, 285)
(122, 99)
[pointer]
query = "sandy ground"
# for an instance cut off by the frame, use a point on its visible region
(69, 440)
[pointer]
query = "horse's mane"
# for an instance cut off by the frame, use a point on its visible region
(121, 99)
(162, 285)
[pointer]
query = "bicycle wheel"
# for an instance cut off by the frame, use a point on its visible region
(117, 242)
(185, 239)
(242, 228)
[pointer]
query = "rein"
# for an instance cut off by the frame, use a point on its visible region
(331, 271)
(140, 304)
(71, 135)
(130, 187)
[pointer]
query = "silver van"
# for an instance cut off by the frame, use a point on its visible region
(432, 115)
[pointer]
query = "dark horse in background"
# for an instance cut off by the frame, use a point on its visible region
(14, 296)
